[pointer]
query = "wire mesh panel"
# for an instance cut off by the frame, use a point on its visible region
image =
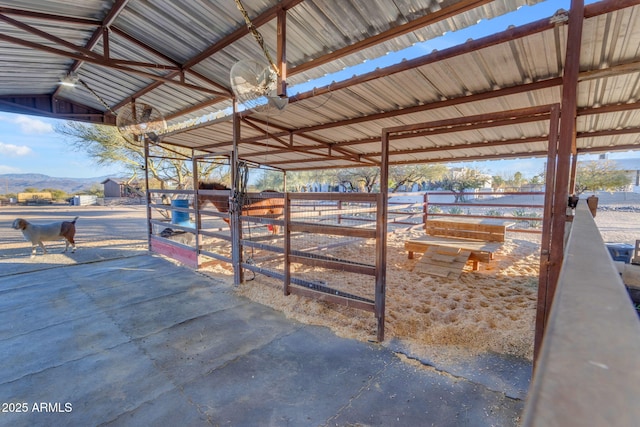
(214, 223)
(261, 217)
(331, 247)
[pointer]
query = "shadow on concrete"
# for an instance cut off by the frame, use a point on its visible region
(141, 341)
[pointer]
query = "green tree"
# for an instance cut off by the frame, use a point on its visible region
(518, 180)
(270, 180)
(106, 146)
(414, 174)
(56, 194)
(359, 179)
(594, 176)
(497, 182)
(538, 179)
(96, 190)
(304, 180)
(458, 181)
(509, 181)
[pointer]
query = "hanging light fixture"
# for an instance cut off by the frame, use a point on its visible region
(70, 79)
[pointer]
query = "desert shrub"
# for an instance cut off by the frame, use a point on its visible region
(494, 212)
(523, 213)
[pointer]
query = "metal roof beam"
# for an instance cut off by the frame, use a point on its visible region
(49, 17)
(607, 149)
(221, 44)
(325, 144)
(97, 34)
(602, 7)
(468, 47)
(85, 54)
(57, 40)
(357, 162)
(242, 31)
(178, 66)
(430, 18)
(598, 8)
(49, 106)
(543, 84)
(107, 63)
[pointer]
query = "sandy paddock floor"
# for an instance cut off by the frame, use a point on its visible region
(490, 310)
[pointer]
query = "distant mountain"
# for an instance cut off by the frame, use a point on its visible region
(17, 182)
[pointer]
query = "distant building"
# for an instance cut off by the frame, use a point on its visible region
(35, 198)
(113, 187)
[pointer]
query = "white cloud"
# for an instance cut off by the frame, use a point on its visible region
(12, 150)
(32, 125)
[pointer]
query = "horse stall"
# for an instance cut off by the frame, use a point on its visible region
(172, 229)
(254, 224)
(324, 246)
(318, 245)
(333, 250)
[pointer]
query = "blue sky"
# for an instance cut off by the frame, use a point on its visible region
(29, 144)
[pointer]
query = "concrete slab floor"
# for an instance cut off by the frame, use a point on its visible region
(140, 341)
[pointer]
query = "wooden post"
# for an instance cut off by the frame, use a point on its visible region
(381, 236)
(542, 310)
(592, 201)
(567, 134)
(425, 209)
(572, 176)
(282, 53)
(287, 243)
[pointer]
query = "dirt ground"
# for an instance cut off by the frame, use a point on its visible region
(490, 310)
(102, 232)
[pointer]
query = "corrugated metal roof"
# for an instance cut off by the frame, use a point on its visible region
(177, 32)
(195, 43)
(337, 117)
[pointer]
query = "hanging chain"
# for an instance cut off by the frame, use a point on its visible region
(97, 97)
(257, 36)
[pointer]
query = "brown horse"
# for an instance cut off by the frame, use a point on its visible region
(269, 207)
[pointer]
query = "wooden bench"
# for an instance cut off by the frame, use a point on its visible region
(478, 236)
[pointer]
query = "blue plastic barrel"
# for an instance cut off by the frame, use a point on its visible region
(178, 217)
(621, 251)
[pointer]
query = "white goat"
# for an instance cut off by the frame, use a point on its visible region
(38, 233)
